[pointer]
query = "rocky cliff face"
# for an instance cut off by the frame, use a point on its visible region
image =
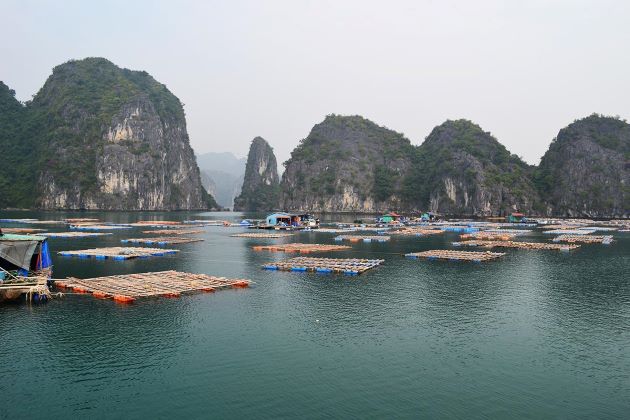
(14, 151)
(260, 189)
(462, 170)
(586, 171)
(113, 139)
(346, 163)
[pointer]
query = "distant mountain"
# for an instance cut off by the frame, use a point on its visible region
(346, 163)
(260, 191)
(586, 171)
(97, 136)
(226, 172)
(461, 169)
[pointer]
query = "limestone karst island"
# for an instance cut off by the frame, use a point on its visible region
(315, 210)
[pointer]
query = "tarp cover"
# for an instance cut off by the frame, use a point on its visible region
(17, 252)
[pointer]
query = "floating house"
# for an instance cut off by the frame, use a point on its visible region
(290, 221)
(516, 218)
(25, 267)
(390, 217)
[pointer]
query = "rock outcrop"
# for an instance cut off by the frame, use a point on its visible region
(260, 190)
(586, 171)
(346, 163)
(113, 139)
(462, 170)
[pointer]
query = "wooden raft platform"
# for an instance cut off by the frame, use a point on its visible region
(98, 227)
(74, 234)
(127, 288)
(517, 245)
(22, 230)
(118, 253)
(170, 240)
(302, 248)
(173, 232)
(261, 235)
(585, 239)
(364, 238)
(416, 231)
(488, 236)
(350, 266)
(443, 254)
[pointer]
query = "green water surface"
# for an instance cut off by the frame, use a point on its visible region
(536, 334)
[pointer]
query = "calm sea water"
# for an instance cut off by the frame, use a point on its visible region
(537, 334)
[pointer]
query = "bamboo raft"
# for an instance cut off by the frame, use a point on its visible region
(73, 234)
(350, 266)
(569, 231)
(332, 230)
(81, 220)
(170, 240)
(516, 245)
(364, 238)
(129, 287)
(443, 254)
(415, 231)
(585, 239)
(261, 235)
(98, 227)
(118, 253)
(173, 232)
(22, 230)
(488, 236)
(510, 231)
(301, 248)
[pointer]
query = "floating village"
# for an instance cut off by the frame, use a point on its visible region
(27, 268)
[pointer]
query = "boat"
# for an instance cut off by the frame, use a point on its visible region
(25, 267)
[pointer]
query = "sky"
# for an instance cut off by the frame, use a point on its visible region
(520, 69)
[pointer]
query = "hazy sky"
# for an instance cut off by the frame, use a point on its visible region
(520, 69)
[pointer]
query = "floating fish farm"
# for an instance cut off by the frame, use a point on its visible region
(118, 253)
(302, 248)
(443, 254)
(362, 238)
(170, 240)
(261, 235)
(516, 245)
(350, 266)
(74, 234)
(585, 239)
(173, 232)
(129, 287)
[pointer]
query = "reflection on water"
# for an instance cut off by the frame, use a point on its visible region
(536, 334)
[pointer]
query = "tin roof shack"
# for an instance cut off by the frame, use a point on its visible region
(25, 267)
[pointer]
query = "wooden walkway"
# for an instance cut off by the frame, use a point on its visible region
(161, 241)
(350, 266)
(128, 287)
(301, 248)
(443, 254)
(516, 245)
(118, 253)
